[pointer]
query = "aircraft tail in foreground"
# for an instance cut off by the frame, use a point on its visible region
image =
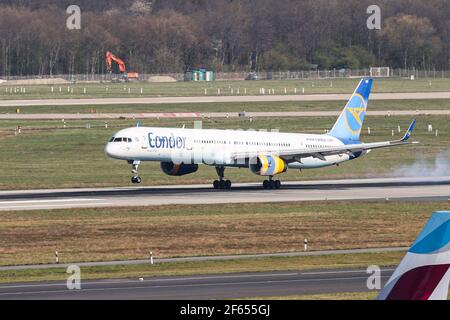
(424, 273)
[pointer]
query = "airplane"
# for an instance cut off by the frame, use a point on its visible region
(180, 151)
(424, 273)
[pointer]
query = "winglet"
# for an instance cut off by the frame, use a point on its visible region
(409, 131)
(424, 272)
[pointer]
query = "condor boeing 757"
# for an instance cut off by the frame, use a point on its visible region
(181, 151)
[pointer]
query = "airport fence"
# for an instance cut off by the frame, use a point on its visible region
(229, 76)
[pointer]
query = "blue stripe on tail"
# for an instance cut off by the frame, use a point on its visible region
(348, 126)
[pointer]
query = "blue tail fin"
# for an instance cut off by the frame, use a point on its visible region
(348, 126)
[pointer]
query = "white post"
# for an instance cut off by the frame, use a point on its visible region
(56, 257)
(245, 91)
(303, 90)
(295, 90)
(129, 90)
(437, 132)
(392, 132)
(238, 91)
(368, 131)
(52, 89)
(106, 124)
(142, 90)
(218, 91)
(305, 243)
(151, 257)
(285, 90)
(232, 91)
(84, 91)
(206, 92)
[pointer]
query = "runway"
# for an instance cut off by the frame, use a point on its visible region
(202, 287)
(387, 189)
(217, 99)
(190, 115)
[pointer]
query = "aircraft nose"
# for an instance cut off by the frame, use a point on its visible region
(109, 150)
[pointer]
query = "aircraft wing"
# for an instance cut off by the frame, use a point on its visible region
(350, 149)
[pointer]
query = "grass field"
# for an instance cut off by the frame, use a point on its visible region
(376, 105)
(329, 296)
(47, 156)
(31, 237)
(110, 90)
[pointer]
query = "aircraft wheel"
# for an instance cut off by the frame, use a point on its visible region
(228, 184)
(222, 184)
(266, 184)
(216, 184)
(272, 184)
(277, 184)
(138, 180)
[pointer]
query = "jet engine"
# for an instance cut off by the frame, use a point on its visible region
(178, 170)
(268, 165)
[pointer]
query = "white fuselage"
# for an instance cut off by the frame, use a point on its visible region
(216, 147)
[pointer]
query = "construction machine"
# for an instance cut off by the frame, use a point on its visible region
(124, 76)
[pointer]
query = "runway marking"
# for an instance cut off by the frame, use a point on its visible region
(181, 286)
(50, 200)
(53, 206)
(155, 280)
(340, 272)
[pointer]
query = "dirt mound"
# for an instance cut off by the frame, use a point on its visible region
(161, 79)
(37, 81)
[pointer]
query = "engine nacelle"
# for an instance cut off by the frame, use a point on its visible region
(178, 170)
(268, 165)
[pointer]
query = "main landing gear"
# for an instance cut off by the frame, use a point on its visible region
(221, 183)
(271, 184)
(135, 179)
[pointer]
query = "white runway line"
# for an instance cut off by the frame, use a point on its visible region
(49, 200)
(62, 206)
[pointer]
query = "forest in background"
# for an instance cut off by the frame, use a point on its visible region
(168, 36)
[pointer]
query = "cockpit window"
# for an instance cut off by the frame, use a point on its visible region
(120, 139)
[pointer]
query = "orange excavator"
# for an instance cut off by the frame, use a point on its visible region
(124, 75)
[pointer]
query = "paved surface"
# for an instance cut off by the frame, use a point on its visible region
(205, 258)
(433, 188)
(158, 115)
(212, 99)
(202, 286)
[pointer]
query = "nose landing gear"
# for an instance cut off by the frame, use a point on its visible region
(135, 167)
